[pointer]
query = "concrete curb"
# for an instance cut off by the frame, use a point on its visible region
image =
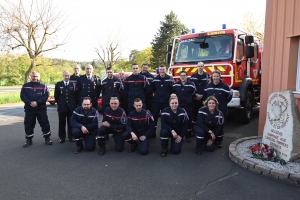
(290, 178)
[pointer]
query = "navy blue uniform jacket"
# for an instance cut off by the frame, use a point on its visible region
(65, 96)
(185, 93)
(89, 120)
(141, 123)
(136, 86)
(174, 121)
(110, 88)
(34, 91)
(149, 78)
(162, 88)
(89, 88)
(200, 82)
(208, 121)
(222, 93)
(116, 118)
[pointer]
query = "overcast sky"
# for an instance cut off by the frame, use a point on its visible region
(137, 22)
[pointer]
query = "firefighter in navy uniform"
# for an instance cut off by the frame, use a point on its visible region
(174, 124)
(209, 126)
(185, 91)
(84, 122)
(122, 95)
(65, 98)
(111, 87)
(162, 86)
(220, 90)
(140, 125)
(200, 79)
(136, 86)
(149, 77)
(114, 122)
(35, 94)
(74, 78)
(89, 85)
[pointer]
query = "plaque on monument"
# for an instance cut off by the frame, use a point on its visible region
(282, 127)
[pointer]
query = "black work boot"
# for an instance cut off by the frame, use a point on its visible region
(199, 150)
(164, 152)
(188, 139)
(106, 136)
(28, 142)
(78, 149)
(48, 141)
(219, 144)
(102, 151)
(133, 147)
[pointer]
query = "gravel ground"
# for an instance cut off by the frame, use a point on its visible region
(243, 149)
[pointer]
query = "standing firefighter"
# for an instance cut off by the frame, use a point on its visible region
(89, 85)
(74, 78)
(162, 86)
(149, 77)
(219, 90)
(64, 95)
(200, 79)
(35, 94)
(136, 86)
(111, 87)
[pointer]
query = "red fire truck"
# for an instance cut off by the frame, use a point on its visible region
(235, 53)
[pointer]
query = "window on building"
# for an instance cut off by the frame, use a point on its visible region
(298, 70)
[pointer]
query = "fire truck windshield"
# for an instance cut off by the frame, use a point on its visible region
(217, 48)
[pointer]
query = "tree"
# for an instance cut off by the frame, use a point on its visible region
(253, 24)
(109, 50)
(168, 29)
(144, 56)
(33, 26)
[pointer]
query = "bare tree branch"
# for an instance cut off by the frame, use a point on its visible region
(32, 25)
(109, 50)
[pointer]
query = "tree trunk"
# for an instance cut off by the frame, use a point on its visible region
(30, 70)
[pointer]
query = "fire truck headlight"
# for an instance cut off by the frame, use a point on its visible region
(235, 94)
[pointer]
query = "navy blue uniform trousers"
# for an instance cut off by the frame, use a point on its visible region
(119, 141)
(164, 138)
(144, 145)
(30, 121)
(89, 139)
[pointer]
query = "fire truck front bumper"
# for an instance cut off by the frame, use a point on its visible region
(235, 102)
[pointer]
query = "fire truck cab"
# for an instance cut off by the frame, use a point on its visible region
(235, 53)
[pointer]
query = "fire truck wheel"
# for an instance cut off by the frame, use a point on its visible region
(244, 115)
(52, 103)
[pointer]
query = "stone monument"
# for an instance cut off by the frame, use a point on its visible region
(282, 127)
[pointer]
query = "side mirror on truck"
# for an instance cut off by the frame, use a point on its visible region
(169, 48)
(249, 51)
(168, 57)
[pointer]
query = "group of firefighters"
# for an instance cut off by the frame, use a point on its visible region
(131, 108)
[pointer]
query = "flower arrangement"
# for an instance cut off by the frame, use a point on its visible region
(264, 152)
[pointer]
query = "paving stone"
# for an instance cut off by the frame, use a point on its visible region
(289, 181)
(240, 158)
(251, 164)
(280, 174)
(255, 170)
(264, 169)
(295, 177)
(243, 166)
